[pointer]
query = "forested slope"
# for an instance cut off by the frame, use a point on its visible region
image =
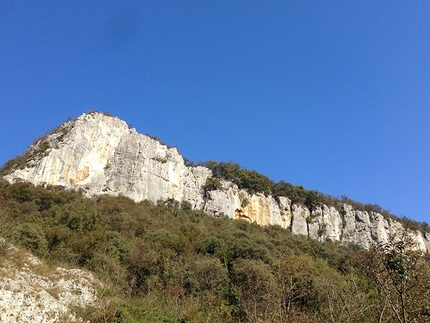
(167, 263)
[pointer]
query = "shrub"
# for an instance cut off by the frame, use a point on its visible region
(32, 237)
(212, 184)
(185, 205)
(252, 181)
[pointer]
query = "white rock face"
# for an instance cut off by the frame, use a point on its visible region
(426, 238)
(357, 227)
(333, 221)
(285, 215)
(234, 203)
(29, 296)
(101, 155)
(301, 216)
(325, 224)
(224, 202)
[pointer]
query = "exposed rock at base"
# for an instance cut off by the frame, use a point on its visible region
(99, 154)
(33, 292)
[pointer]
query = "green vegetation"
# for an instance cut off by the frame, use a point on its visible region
(401, 276)
(167, 263)
(253, 182)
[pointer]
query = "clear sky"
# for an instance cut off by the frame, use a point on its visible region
(331, 95)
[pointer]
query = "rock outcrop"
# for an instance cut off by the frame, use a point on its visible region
(100, 154)
(30, 291)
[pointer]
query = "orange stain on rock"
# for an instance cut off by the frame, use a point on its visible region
(82, 174)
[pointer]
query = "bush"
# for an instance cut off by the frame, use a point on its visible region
(32, 237)
(185, 205)
(212, 184)
(252, 181)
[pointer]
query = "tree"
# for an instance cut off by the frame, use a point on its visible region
(256, 289)
(402, 276)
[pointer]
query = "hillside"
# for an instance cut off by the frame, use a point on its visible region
(167, 263)
(99, 154)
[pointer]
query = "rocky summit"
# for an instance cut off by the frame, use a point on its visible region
(100, 154)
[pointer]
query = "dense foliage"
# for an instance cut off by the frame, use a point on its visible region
(167, 263)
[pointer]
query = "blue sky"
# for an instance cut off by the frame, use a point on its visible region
(331, 95)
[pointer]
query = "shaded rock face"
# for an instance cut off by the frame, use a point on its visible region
(101, 155)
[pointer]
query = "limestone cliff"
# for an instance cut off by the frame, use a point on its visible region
(100, 154)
